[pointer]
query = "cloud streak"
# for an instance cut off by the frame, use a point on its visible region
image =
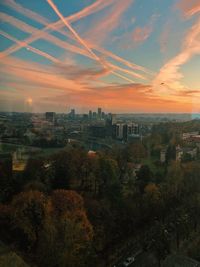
(69, 78)
(84, 43)
(107, 22)
(72, 85)
(189, 8)
(97, 6)
(170, 74)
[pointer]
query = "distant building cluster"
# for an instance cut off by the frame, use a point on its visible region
(189, 148)
(115, 129)
(92, 115)
(28, 134)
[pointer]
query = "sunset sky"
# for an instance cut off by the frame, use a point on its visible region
(121, 55)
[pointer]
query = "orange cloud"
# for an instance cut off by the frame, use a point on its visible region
(135, 98)
(78, 87)
(189, 7)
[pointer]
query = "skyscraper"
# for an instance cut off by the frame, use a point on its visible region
(99, 113)
(90, 114)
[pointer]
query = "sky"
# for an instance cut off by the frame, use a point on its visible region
(125, 56)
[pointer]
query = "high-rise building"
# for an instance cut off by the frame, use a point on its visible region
(94, 115)
(131, 130)
(113, 119)
(98, 131)
(90, 114)
(119, 130)
(99, 112)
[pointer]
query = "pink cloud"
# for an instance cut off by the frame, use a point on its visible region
(107, 23)
(140, 34)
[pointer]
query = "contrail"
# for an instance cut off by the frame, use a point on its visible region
(64, 45)
(27, 28)
(124, 61)
(40, 34)
(46, 55)
(98, 5)
(130, 72)
(81, 41)
(76, 35)
(35, 50)
(95, 7)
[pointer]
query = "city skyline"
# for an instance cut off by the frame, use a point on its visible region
(123, 56)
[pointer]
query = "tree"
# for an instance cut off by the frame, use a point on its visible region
(171, 153)
(193, 246)
(160, 241)
(136, 152)
(108, 177)
(70, 230)
(144, 176)
(37, 175)
(67, 168)
(6, 179)
(186, 157)
(29, 211)
(54, 229)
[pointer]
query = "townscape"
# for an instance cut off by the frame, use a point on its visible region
(137, 175)
(99, 133)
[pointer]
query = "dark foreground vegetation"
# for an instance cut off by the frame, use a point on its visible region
(78, 209)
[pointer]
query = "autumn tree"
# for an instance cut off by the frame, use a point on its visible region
(29, 211)
(144, 176)
(68, 234)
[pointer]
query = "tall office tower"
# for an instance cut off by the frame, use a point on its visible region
(119, 130)
(50, 116)
(113, 119)
(90, 114)
(136, 128)
(99, 113)
(94, 115)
